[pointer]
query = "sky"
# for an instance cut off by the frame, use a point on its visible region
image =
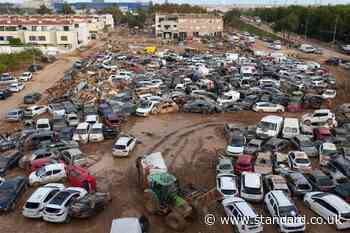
(224, 2)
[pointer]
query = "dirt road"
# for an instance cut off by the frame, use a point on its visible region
(45, 78)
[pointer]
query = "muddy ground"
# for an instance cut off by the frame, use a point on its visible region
(189, 143)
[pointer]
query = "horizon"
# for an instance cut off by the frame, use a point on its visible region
(221, 2)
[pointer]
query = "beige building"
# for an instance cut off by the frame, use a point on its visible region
(69, 32)
(183, 26)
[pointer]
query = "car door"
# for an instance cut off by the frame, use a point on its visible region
(320, 207)
(57, 174)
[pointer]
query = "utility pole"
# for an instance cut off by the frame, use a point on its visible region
(335, 30)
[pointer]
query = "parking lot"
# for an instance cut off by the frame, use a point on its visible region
(190, 142)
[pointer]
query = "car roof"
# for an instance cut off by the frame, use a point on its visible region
(41, 193)
(336, 202)
(54, 166)
(252, 179)
(130, 225)
(97, 125)
(123, 140)
(281, 198)
(83, 125)
(227, 182)
(329, 146)
(272, 118)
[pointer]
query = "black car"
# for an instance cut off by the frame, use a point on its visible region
(7, 144)
(66, 133)
(333, 61)
(342, 165)
(110, 133)
(200, 106)
(31, 98)
(320, 181)
(10, 190)
(4, 94)
(276, 145)
(34, 67)
(343, 191)
(8, 160)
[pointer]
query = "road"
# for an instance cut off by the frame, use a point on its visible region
(44, 79)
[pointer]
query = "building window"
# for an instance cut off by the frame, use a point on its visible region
(76, 25)
(65, 28)
(9, 37)
(32, 38)
(11, 28)
(2, 28)
(64, 38)
(2, 38)
(42, 38)
(43, 28)
(34, 28)
(159, 25)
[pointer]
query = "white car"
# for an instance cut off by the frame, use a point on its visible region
(239, 209)
(146, 108)
(329, 94)
(25, 77)
(267, 107)
(96, 133)
(320, 118)
(35, 110)
(228, 97)
(236, 146)
(298, 160)
(280, 206)
(72, 119)
(226, 185)
(15, 87)
(47, 174)
(57, 208)
(326, 152)
(123, 146)
(329, 206)
(251, 187)
(37, 201)
(81, 133)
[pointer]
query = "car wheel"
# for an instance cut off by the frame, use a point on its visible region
(68, 219)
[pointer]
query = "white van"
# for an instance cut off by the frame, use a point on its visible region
(81, 133)
(96, 133)
(43, 124)
(291, 127)
(269, 126)
(252, 187)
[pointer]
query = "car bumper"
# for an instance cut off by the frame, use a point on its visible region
(31, 213)
(54, 218)
(120, 154)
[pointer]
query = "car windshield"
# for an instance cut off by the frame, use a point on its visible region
(290, 130)
(41, 171)
(325, 181)
(81, 131)
(119, 147)
(228, 191)
(267, 125)
(145, 104)
(96, 130)
(225, 167)
(237, 142)
(329, 152)
(42, 126)
(302, 161)
(288, 211)
(306, 143)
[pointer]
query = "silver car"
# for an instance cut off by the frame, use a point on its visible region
(15, 115)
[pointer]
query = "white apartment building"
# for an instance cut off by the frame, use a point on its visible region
(68, 32)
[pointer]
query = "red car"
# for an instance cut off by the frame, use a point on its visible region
(80, 177)
(322, 134)
(244, 163)
(113, 120)
(38, 163)
(295, 105)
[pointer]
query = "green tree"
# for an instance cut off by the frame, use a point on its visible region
(44, 10)
(15, 41)
(67, 9)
